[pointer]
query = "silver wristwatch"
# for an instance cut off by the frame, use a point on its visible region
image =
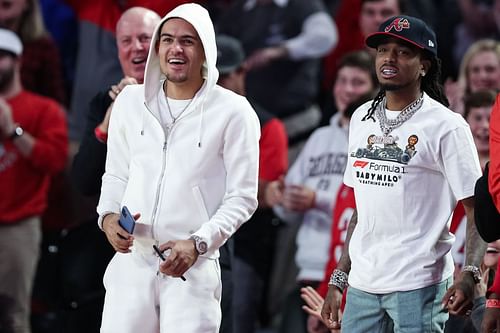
(18, 132)
(476, 273)
(199, 244)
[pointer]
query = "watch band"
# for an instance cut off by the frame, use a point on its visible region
(199, 244)
(493, 303)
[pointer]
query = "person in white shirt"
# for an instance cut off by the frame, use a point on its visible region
(183, 156)
(421, 162)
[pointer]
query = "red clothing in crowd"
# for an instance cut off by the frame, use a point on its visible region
(458, 228)
(342, 212)
(41, 70)
(24, 181)
(105, 13)
(273, 159)
(494, 173)
(350, 39)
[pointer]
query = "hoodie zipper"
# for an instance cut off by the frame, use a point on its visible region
(162, 173)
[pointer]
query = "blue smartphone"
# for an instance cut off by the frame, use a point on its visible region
(126, 220)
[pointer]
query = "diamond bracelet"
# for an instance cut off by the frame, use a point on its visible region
(338, 279)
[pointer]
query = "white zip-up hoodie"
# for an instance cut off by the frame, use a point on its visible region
(199, 178)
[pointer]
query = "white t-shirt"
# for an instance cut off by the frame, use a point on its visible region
(405, 195)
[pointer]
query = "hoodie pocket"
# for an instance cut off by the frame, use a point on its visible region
(200, 204)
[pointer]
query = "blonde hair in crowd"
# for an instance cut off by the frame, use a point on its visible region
(482, 45)
(32, 26)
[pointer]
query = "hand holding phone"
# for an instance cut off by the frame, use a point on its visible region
(126, 220)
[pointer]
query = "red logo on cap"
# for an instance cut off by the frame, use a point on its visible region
(398, 24)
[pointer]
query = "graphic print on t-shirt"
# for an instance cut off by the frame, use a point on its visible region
(389, 160)
(385, 148)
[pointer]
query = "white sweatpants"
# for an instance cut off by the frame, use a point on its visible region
(139, 299)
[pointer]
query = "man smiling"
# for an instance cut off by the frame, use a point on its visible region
(186, 161)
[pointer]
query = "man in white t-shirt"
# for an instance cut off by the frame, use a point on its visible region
(410, 161)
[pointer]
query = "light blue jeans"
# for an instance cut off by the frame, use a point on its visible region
(414, 311)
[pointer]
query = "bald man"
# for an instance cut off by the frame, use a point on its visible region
(133, 37)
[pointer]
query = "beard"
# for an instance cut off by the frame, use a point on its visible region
(176, 78)
(6, 78)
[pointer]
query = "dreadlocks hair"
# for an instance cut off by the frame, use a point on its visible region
(429, 84)
(376, 101)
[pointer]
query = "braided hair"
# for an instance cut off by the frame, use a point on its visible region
(376, 101)
(429, 83)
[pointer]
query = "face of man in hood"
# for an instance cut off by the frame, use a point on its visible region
(181, 53)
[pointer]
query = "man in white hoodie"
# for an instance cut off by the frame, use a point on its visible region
(186, 165)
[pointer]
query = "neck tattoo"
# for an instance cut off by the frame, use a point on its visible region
(388, 125)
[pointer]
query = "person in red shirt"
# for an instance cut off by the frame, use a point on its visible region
(33, 146)
(491, 318)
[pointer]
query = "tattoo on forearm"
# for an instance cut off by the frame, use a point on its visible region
(475, 247)
(345, 261)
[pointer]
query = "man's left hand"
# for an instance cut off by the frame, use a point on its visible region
(459, 298)
(182, 256)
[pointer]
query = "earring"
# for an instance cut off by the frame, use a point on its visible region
(423, 73)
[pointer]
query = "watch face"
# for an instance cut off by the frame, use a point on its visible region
(18, 131)
(202, 247)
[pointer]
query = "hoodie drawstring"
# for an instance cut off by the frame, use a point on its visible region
(200, 128)
(143, 115)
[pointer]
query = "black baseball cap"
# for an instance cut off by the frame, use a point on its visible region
(230, 54)
(407, 28)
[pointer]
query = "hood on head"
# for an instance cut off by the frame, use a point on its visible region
(199, 18)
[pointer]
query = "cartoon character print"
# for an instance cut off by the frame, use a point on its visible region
(387, 149)
(371, 142)
(410, 148)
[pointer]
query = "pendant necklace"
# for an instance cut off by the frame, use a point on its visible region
(174, 119)
(166, 125)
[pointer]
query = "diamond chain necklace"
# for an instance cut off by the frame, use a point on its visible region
(387, 125)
